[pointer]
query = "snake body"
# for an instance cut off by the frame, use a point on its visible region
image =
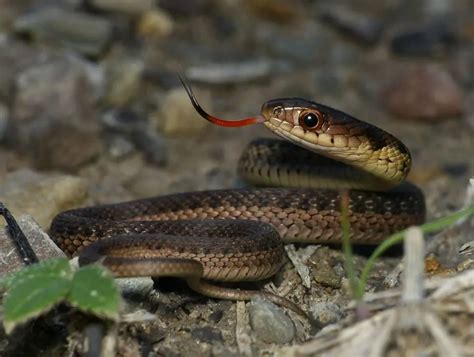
(238, 234)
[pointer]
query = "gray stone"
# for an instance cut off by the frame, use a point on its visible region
(326, 313)
(325, 275)
(426, 41)
(43, 246)
(4, 113)
(123, 81)
(135, 287)
(14, 57)
(207, 334)
(84, 33)
(269, 322)
(426, 92)
(358, 26)
(126, 131)
(128, 7)
(55, 125)
(41, 196)
(230, 73)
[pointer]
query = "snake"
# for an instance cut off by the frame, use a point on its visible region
(294, 194)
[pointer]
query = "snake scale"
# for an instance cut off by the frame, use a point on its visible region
(238, 234)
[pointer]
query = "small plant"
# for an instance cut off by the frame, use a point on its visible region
(37, 288)
(358, 284)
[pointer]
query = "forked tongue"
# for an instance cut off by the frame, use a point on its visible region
(213, 119)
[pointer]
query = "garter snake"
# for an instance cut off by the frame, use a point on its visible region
(238, 234)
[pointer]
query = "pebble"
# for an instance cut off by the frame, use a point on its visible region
(355, 25)
(14, 57)
(124, 76)
(426, 92)
(155, 24)
(40, 195)
(269, 322)
(230, 73)
(207, 334)
(128, 131)
(184, 7)
(4, 113)
(127, 7)
(135, 288)
(55, 125)
(177, 116)
(278, 11)
(428, 41)
(326, 313)
(81, 32)
(43, 246)
(322, 263)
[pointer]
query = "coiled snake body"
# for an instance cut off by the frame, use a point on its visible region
(238, 234)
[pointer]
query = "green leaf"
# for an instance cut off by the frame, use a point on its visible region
(34, 290)
(53, 267)
(94, 291)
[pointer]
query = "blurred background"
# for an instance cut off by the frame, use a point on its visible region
(92, 110)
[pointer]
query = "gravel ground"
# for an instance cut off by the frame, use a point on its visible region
(92, 111)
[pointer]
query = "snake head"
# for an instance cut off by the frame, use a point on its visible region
(337, 135)
(328, 132)
(299, 119)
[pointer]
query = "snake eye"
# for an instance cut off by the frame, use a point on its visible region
(310, 120)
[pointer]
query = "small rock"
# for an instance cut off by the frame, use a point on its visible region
(155, 24)
(127, 7)
(426, 92)
(305, 48)
(326, 313)
(119, 147)
(216, 316)
(128, 130)
(325, 269)
(84, 33)
(3, 121)
(230, 73)
(43, 246)
(42, 196)
(269, 322)
(135, 287)
(278, 11)
(177, 115)
(150, 182)
(55, 124)
(355, 25)
(207, 334)
(429, 41)
(325, 275)
(184, 7)
(124, 77)
(14, 57)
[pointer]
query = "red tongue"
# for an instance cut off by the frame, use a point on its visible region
(214, 120)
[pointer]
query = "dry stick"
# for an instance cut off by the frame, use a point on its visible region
(414, 247)
(18, 237)
(242, 337)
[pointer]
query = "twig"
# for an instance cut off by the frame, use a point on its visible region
(301, 268)
(242, 325)
(18, 237)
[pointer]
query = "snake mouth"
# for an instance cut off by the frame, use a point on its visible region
(310, 139)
